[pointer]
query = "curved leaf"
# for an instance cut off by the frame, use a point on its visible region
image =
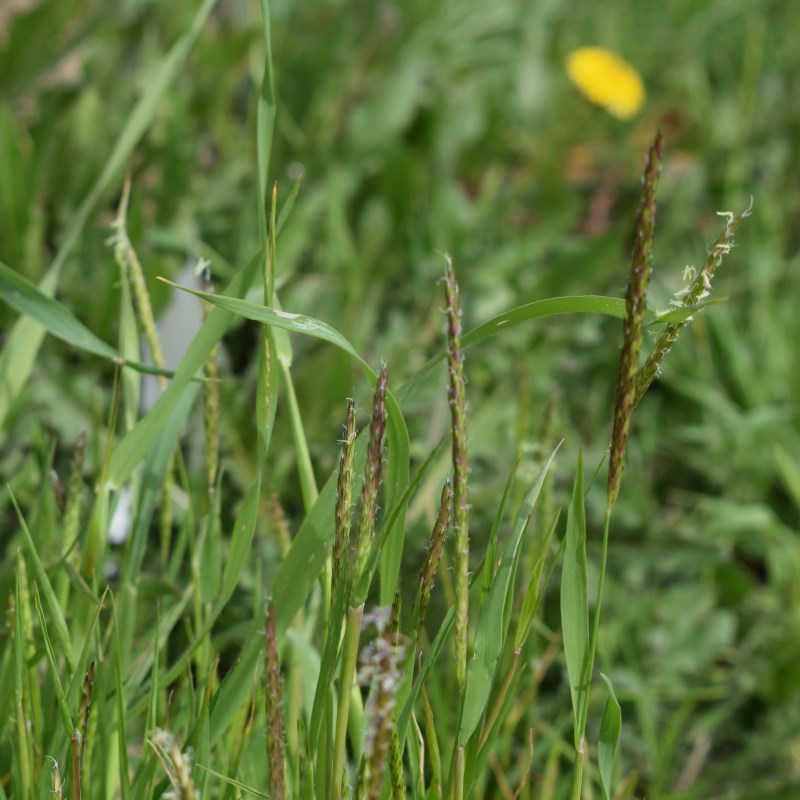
(26, 298)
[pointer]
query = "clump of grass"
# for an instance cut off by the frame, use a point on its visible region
(421, 700)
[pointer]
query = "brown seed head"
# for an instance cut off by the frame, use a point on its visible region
(635, 305)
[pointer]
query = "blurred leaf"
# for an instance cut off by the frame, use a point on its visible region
(22, 344)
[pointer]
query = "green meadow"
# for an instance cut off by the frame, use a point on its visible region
(385, 415)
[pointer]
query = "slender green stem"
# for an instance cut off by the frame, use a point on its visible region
(577, 777)
(349, 654)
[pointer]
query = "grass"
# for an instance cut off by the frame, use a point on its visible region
(259, 632)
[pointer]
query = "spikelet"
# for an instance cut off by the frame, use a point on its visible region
(434, 553)
(696, 293)
(344, 499)
(458, 414)
(274, 715)
(635, 305)
(395, 750)
(372, 476)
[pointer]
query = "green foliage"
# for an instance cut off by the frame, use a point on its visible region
(320, 157)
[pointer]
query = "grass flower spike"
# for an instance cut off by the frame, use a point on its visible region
(635, 304)
(458, 414)
(696, 292)
(607, 80)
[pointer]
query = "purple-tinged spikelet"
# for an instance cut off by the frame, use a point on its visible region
(458, 413)
(434, 553)
(635, 305)
(372, 475)
(344, 498)
(274, 715)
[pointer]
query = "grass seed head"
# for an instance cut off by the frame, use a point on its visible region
(696, 292)
(458, 413)
(635, 306)
(434, 552)
(344, 497)
(274, 717)
(372, 475)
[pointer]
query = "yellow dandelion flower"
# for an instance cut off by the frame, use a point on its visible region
(607, 80)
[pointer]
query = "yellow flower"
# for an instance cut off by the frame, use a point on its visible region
(607, 80)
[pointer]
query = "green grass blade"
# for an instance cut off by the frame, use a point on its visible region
(306, 557)
(575, 602)
(489, 563)
(236, 784)
(24, 740)
(305, 469)
(242, 538)
(22, 344)
(533, 593)
(237, 685)
(579, 304)
(491, 633)
(265, 121)
(608, 744)
(26, 298)
(59, 623)
(295, 323)
(55, 674)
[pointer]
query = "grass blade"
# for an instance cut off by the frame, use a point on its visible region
(610, 730)
(575, 603)
(59, 623)
(491, 633)
(55, 674)
(242, 538)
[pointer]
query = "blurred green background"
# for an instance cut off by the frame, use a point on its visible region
(427, 127)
